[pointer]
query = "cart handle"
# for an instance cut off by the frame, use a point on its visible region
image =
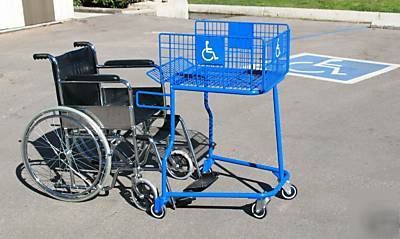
(155, 78)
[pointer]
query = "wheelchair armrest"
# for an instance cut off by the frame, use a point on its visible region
(94, 77)
(142, 63)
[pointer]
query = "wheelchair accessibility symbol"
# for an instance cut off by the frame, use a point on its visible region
(208, 53)
(210, 50)
(327, 64)
(277, 49)
(336, 69)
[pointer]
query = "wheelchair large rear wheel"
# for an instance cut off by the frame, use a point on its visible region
(52, 153)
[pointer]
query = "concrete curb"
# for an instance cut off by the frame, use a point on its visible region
(171, 8)
(9, 30)
(377, 19)
(115, 10)
(98, 10)
(83, 10)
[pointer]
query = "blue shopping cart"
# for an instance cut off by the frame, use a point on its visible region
(224, 57)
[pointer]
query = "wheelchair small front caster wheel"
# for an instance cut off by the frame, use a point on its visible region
(144, 194)
(291, 195)
(179, 165)
(160, 214)
(259, 215)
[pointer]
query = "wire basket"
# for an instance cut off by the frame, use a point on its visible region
(225, 57)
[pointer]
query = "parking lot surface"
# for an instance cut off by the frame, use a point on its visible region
(341, 141)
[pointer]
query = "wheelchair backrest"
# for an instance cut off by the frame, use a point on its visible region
(77, 62)
(80, 61)
(110, 106)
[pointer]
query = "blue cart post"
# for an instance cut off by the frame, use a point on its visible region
(225, 57)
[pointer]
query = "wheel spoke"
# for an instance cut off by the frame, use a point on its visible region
(76, 172)
(61, 160)
(56, 151)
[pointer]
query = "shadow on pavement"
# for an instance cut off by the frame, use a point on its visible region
(200, 144)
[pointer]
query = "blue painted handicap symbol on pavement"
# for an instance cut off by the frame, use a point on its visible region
(337, 69)
(210, 50)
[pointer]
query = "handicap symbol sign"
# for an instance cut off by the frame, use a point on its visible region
(208, 54)
(336, 69)
(210, 50)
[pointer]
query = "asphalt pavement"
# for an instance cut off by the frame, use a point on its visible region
(341, 142)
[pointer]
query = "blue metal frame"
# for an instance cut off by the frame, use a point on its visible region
(172, 74)
(210, 161)
(141, 92)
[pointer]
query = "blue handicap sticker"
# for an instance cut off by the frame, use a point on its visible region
(277, 46)
(210, 50)
(337, 69)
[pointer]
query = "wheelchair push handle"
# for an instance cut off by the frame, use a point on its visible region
(82, 44)
(41, 56)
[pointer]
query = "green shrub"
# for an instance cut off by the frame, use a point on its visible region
(77, 2)
(104, 3)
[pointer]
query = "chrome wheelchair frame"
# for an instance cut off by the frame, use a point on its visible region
(93, 137)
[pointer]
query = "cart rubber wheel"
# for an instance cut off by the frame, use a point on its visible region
(259, 215)
(201, 170)
(159, 215)
(292, 195)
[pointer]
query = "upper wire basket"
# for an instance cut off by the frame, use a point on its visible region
(225, 57)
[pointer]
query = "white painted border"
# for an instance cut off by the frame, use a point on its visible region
(389, 67)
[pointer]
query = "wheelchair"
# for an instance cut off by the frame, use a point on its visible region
(97, 132)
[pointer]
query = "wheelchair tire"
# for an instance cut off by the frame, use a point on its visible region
(179, 165)
(66, 153)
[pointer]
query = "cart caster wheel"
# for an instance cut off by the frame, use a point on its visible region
(159, 215)
(292, 195)
(259, 215)
(201, 170)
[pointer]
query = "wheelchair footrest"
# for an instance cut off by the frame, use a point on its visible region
(182, 202)
(202, 183)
